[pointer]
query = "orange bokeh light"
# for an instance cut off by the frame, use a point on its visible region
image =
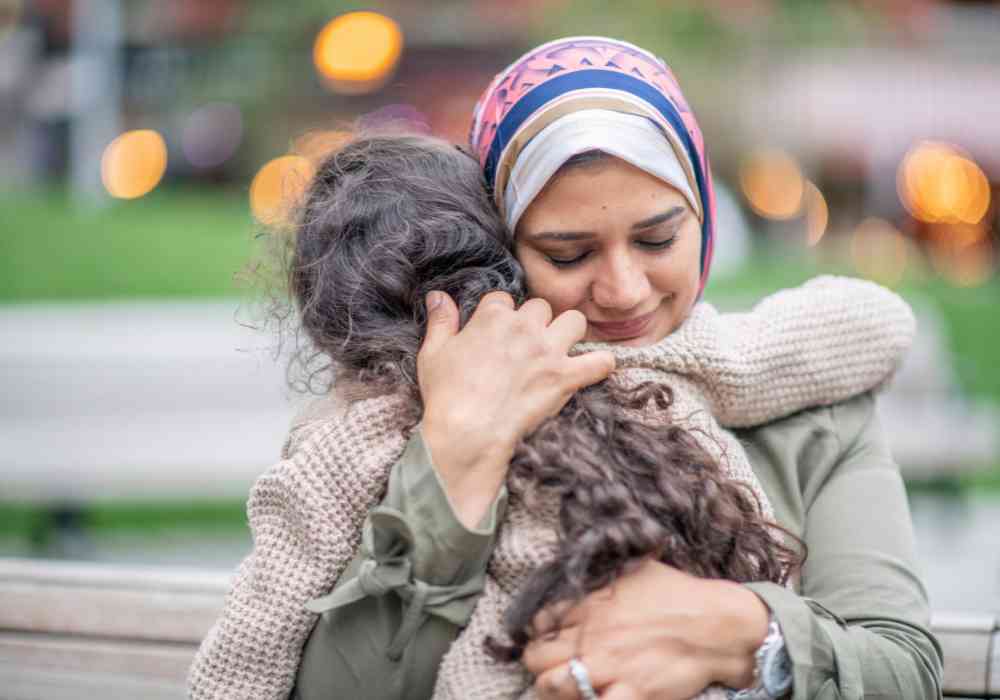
(134, 163)
(879, 251)
(772, 183)
(278, 188)
(937, 183)
(965, 255)
(358, 51)
(817, 214)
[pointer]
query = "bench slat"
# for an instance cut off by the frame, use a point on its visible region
(164, 663)
(965, 622)
(966, 660)
(133, 631)
(29, 684)
(100, 575)
(39, 666)
(107, 612)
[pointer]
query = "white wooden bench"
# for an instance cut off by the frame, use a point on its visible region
(75, 630)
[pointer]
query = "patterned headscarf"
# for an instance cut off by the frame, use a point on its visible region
(570, 75)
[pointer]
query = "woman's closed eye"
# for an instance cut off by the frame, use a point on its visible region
(658, 245)
(569, 260)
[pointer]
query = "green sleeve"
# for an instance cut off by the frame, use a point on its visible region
(860, 626)
(388, 622)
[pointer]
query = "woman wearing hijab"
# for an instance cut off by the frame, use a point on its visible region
(599, 167)
(600, 171)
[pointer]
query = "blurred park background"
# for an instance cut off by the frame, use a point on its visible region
(145, 144)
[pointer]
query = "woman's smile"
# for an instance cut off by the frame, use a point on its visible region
(621, 330)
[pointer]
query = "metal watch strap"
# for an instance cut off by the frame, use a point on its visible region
(772, 673)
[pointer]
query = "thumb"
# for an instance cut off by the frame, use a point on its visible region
(442, 321)
(591, 367)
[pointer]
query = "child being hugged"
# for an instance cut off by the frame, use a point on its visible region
(637, 466)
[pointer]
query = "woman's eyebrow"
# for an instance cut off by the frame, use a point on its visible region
(561, 236)
(658, 219)
(668, 215)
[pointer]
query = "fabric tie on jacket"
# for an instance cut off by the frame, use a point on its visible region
(386, 567)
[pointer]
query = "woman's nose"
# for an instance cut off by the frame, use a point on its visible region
(620, 285)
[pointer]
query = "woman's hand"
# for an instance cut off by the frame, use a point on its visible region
(656, 633)
(488, 386)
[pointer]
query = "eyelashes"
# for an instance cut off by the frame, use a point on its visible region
(658, 245)
(652, 246)
(567, 262)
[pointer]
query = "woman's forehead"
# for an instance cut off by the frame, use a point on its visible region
(609, 189)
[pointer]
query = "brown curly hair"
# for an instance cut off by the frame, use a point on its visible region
(390, 217)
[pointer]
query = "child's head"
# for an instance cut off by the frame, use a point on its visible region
(386, 219)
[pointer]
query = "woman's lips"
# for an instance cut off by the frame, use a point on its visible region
(622, 330)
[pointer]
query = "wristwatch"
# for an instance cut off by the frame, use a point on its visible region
(772, 671)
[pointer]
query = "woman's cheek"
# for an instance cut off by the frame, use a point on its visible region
(567, 293)
(563, 291)
(679, 276)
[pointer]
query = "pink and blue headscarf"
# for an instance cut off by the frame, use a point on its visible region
(594, 74)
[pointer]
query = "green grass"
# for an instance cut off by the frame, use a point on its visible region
(171, 243)
(178, 242)
(35, 523)
(985, 481)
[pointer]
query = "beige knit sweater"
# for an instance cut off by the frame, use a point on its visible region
(813, 345)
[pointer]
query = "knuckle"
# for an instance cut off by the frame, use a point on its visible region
(544, 346)
(554, 376)
(498, 297)
(548, 682)
(540, 304)
(520, 326)
(490, 307)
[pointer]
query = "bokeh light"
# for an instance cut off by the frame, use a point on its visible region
(357, 52)
(212, 134)
(772, 183)
(970, 266)
(817, 214)
(879, 251)
(963, 254)
(134, 163)
(278, 187)
(937, 183)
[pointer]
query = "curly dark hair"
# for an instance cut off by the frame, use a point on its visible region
(390, 217)
(386, 220)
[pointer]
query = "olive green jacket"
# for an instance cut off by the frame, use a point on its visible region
(857, 627)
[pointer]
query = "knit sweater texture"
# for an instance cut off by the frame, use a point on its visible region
(813, 345)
